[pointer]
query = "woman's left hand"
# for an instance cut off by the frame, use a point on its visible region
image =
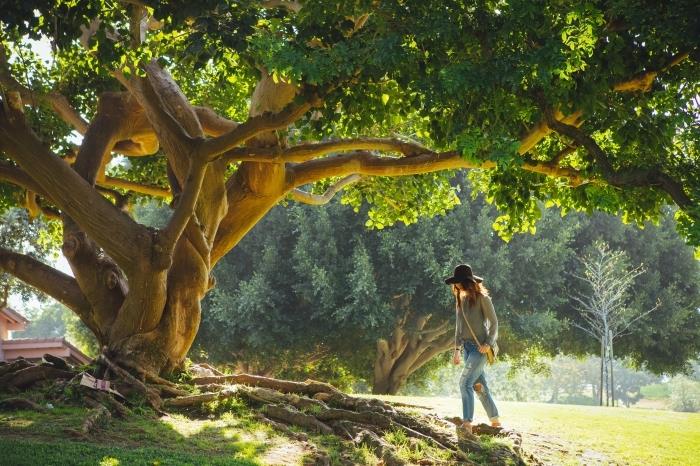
(483, 349)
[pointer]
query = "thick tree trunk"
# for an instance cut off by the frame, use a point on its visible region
(406, 351)
(156, 324)
(229, 210)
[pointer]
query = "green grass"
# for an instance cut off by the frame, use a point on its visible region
(570, 434)
(222, 433)
(32, 452)
(229, 435)
(28, 437)
(413, 450)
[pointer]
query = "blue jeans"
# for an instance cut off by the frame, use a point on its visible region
(472, 373)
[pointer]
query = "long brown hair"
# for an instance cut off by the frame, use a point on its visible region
(473, 290)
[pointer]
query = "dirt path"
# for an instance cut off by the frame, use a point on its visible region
(555, 451)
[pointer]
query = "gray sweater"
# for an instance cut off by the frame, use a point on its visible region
(482, 319)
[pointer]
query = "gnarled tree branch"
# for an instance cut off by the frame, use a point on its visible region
(255, 125)
(63, 288)
(19, 177)
(111, 228)
(141, 188)
(178, 144)
(304, 152)
(642, 82)
(364, 163)
(184, 209)
(320, 199)
(101, 136)
(626, 177)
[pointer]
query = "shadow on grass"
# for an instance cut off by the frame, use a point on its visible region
(31, 438)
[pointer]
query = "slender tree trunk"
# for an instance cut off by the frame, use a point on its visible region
(602, 365)
(555, 394)
(612, 359)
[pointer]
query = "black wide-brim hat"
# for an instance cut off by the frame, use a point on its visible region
(463, 273)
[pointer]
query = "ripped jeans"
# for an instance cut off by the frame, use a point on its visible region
(473, 373)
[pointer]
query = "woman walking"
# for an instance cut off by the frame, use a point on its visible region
(476, 334)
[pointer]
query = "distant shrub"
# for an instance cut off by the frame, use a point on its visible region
(656, 391)
(578, 400)
(685, 395)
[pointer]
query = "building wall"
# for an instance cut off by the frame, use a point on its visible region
(36, 353)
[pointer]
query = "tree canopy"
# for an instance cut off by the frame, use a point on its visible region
(229, 107)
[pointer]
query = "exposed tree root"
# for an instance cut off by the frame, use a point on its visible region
(95, 416)
(360, 420)
(30, 375)
(316, 407)
(281, 427)
(149, 376)
(14, 366)
(152, 395)
(399, 404)
(11, 404)
(293, 416)
(115, 406)
(310, 387)
(169, 391)
(381, 448)
(198, 400)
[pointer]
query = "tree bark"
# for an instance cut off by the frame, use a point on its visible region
(411, 345)
(602, 362)
(612, 378)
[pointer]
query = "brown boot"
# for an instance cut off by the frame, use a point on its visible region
(464, 431)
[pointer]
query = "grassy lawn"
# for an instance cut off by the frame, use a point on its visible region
(570, 434)
(31, 438)
(557, 434)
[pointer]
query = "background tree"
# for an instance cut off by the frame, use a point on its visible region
(30, 236)
(629, 383)
(228, 108)
(604, 311)
(667, 342)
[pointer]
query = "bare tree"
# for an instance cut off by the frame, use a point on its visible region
(605, 312)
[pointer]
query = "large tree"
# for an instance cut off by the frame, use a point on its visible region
(230, 107)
